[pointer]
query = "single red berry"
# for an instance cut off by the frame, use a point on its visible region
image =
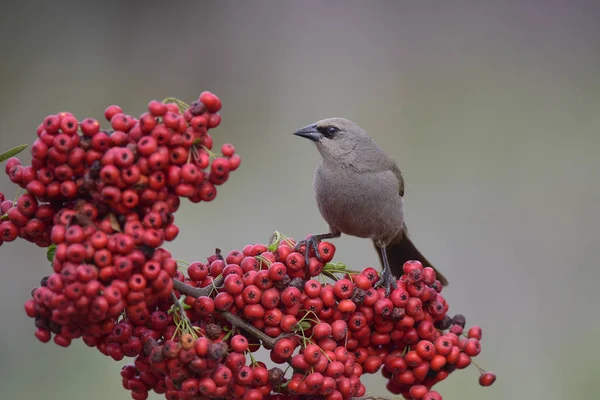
(462, 361)
(157, 108)
(284, 348)
(90, 127)
(239, 343)
(214, 120)
(487, 378)
(207, 191)
(295, 261)
(418, 391)
(233, 284)
(339, 329)
(384, 307)
(443, 345)
(8, 231)
(210, 101)
(227, 150)
(69, 125)
(111, 111)
(51, 123)
(234, 162)
(475, 332)
(343, 288)
(223, 301)
(43, 335)
(472, 347)
(207, 386)
(314, 381)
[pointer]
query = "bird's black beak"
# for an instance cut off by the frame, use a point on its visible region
(309, 132)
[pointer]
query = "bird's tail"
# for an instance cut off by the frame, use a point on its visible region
(404, 250)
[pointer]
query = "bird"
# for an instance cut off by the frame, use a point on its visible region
(359, 191)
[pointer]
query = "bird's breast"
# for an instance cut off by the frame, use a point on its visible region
(363, 204)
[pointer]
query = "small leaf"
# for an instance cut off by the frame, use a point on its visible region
(304, 324)
(338, 266)
(50, 252)
(12, 152)
(114, 223)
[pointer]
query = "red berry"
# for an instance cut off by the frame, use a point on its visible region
(343, 288)
(214, 120)
(463, 361)
(111, 111)
(234, 162)
(207, 191)
(227, 150)
(157, 108)
(223, 301)
(8, 231)
(339, 329)
(210, 101)
(475, 332)
(432, 395)
(69, 125)
(487, 378)
(472, 347)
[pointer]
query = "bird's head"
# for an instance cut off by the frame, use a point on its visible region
(336, 137)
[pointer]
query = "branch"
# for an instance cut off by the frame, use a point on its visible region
(234, 320)
(267, 341)
(196, 292)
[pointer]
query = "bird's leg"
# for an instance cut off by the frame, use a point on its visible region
(312, 241)
(387, 280)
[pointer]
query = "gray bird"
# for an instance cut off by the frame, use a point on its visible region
(359, 192)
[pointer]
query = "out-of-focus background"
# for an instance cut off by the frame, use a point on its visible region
(491, 110)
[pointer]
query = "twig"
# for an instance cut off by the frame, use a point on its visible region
(196, 292)
(234, 320)
(267, 341)
(178, 305)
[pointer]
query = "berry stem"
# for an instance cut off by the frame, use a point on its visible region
(276, 239)
(178, 306)
(181, 104)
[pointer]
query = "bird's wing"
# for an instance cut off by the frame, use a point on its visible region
(398, 174)
(376, 165)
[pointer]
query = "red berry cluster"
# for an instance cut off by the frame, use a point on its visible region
(104, 200)
(329, 333)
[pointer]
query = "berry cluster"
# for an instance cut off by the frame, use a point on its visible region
(103, 202)
(330, 334)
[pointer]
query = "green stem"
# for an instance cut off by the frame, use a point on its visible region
(181, 104)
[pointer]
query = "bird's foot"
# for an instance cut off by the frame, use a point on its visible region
(387, 281)
(311, 242)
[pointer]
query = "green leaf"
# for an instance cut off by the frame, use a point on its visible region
(12, 152)
(273, 246)
(304, 324)
(335, 266)
(50, 252)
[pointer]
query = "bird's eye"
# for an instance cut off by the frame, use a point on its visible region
(331, 130)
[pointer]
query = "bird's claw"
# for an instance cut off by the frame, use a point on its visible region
(387, 281)
(311, 241)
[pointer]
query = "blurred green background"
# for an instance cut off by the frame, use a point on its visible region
(491, 110)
